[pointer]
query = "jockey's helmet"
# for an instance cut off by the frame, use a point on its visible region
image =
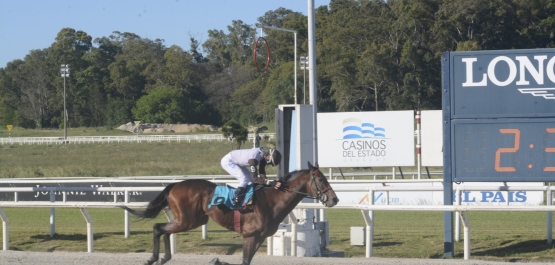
(274, 157)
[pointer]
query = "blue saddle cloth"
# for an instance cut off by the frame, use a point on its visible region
(224, 194)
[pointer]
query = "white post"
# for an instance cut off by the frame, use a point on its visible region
(52, 215)
(5, 231)
(293, 221)
(282, 238)
(204, 232)
(270, 246)
(126, 215)
(466, 225)
(173, 237)
(369, 220)
(90, 234)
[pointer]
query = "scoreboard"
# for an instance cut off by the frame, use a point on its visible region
(499, 115)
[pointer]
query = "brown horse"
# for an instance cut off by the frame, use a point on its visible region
(189, 201)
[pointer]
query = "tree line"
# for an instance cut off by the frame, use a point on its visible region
(372, 55)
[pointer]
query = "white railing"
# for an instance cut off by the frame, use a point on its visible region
(377, 177)
(367, 210)
(385, 175)
(122, 139)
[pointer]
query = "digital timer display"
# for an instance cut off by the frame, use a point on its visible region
(504, 149)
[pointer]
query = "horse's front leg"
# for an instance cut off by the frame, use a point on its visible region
(250, 246)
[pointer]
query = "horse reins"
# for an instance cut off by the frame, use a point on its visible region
(321, 196)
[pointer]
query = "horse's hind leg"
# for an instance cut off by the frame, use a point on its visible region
(159, 230)
(168, 254)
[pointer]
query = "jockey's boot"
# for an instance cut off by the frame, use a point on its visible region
(238, 200)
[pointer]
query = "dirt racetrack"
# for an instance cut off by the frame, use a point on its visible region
(80, 258)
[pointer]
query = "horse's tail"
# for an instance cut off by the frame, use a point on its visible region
(155, 206)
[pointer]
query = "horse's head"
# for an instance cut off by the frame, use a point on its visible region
(320, 188)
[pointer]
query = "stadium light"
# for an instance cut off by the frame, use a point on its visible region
(64, 70)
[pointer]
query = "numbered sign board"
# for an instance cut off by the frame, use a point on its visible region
(499, 115)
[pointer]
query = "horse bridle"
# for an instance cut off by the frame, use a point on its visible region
(322, 197)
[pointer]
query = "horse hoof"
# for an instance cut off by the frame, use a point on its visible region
(215, 261)
(163, 260)
(150, 262)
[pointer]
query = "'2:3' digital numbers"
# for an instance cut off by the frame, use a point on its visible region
(515, 148)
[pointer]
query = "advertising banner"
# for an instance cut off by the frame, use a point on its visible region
(426, 197)
(366, 139)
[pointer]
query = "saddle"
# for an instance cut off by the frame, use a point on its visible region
(224, 194)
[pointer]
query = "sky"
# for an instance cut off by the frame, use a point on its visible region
(27, 25)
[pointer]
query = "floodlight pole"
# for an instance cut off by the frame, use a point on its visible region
(295, 58)
(64, 70)
(312, 75)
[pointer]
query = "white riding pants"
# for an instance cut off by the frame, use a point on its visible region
(242, 174)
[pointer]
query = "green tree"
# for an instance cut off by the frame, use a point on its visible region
(235, 132)
(35, 89)
(219, 88)
(137, 68)
(162, 105)
(10, 94)
(182, 72)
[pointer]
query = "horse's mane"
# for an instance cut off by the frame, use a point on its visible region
(292, 175)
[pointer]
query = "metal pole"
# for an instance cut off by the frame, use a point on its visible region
(65, 128)
(418, 145)
(295, 56)
(64, 70)
(304, 83)
(549, 202)
(295, 67)
(312, 77)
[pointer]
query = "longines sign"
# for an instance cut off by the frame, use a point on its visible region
(513, 83)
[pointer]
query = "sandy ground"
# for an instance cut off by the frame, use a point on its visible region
(61, 258)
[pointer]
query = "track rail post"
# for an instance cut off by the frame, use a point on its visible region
(466, 224)
(5, 231)
(173, 237)
(90, 234)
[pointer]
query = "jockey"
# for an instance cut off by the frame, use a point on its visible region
(242, 164)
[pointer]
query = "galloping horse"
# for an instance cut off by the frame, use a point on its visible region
(189, 202)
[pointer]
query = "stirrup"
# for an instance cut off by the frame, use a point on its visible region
(236, 207)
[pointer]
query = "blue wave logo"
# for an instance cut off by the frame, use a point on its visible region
(354, 129)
